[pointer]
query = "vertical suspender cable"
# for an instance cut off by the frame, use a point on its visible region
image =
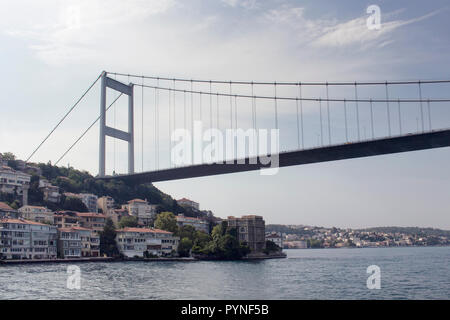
(345, 117)
(210, 109)
(371, 119)
(298, 125)
(328, 116)
(192, 122)
(421, 107)
(276, 105)
(357, 111)
(388, 109)
(301, 113)
(399, 116)
(142, 126)
(321, 129)
(429, 115)
(170, 125)
(231, 108)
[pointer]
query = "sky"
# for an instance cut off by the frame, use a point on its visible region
(51, 51)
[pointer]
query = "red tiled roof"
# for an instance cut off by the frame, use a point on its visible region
(137, 200)
(143, 230)
(90, 214)
(5, 207)
(21, 221)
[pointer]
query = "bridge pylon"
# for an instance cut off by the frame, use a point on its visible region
(107, 82)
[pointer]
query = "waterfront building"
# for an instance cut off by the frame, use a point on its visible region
(23, 239)
(136, 242)
(142, 210)
(105, 203)
(197, 223)
(7, 212)
(14, 182)
(69, 242)
(250, 229)
(188, 203)
(37, 214)
(91, 220)
(67, 219)
(275, 238)
(51, 192)
(90, 242)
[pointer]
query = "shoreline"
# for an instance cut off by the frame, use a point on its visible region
(110, 259)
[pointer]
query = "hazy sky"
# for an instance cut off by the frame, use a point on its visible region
(52, 50)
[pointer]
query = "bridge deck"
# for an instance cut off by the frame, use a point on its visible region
(410, 142)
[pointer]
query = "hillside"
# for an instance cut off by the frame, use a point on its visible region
(69, 179)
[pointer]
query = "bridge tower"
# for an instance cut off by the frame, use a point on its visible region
(107, 82)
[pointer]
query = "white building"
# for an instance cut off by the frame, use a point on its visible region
(12, 181)
(275, 238)
(37, 214)
(90, 201)
(188, 203)
(134, 242)
(23, 239)
(51, 192)
(141, 209)
(197, 223)
(69, 242)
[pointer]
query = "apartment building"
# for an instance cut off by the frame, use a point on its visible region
(250, 229)
(141, 209)
(90, 242)
(23, 239)
(197, 223)
(14, 182)
(91, 220)
(134, 242)
(90, 201)
(37, 214)
(69, 242)
(51, 192)
(7, 212)
(67, 219)
(105, 203)
(188, 203)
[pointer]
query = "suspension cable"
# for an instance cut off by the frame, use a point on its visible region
(286, 83)
(63, 118)
(295, 98)
(86, 131)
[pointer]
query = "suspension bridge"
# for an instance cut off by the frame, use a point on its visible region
(315, 122)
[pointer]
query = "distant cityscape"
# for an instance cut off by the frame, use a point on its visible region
(302, 237)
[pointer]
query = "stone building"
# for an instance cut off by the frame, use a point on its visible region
(250, 229)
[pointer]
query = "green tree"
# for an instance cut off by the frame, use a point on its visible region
(74, 204)
(108, 244)
(8, 156)
(166, 221)
(271, 247)
(184, 247)
(128, 221)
